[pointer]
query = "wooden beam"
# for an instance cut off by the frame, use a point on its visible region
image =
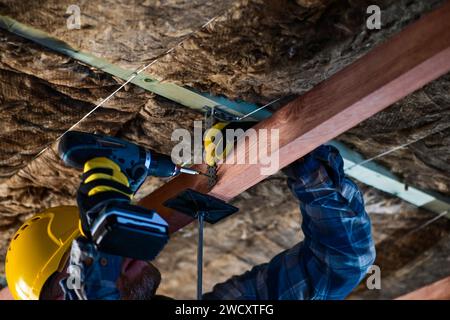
(439, 290)
(416, 56)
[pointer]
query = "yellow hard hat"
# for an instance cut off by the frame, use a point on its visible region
(38, 248)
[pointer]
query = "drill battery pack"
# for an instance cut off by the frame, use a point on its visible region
(130, 231)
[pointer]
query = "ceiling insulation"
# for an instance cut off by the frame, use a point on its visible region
(254, 50)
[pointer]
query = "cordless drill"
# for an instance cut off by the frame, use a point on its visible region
(137, 163)
(115, 225)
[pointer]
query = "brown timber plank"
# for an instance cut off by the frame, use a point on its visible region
(439, 290)
(416, 56)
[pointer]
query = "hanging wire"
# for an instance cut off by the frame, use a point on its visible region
(258, 109)
(427, 223)
(398, 147)
(131, 78)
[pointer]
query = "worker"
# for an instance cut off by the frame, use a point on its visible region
(329, 263)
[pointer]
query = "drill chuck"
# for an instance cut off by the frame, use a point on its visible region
(161, 165)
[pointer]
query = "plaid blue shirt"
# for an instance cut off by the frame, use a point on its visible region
(337, 250)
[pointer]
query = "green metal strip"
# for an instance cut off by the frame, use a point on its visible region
(183, 96)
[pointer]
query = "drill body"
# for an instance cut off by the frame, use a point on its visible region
(114, 169)
(136, 162)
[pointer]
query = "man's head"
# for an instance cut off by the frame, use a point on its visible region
(37, 259)
(138, 280)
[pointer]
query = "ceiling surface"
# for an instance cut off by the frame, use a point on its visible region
(253, 50)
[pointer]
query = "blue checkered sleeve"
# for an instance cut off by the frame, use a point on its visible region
(337, 249)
